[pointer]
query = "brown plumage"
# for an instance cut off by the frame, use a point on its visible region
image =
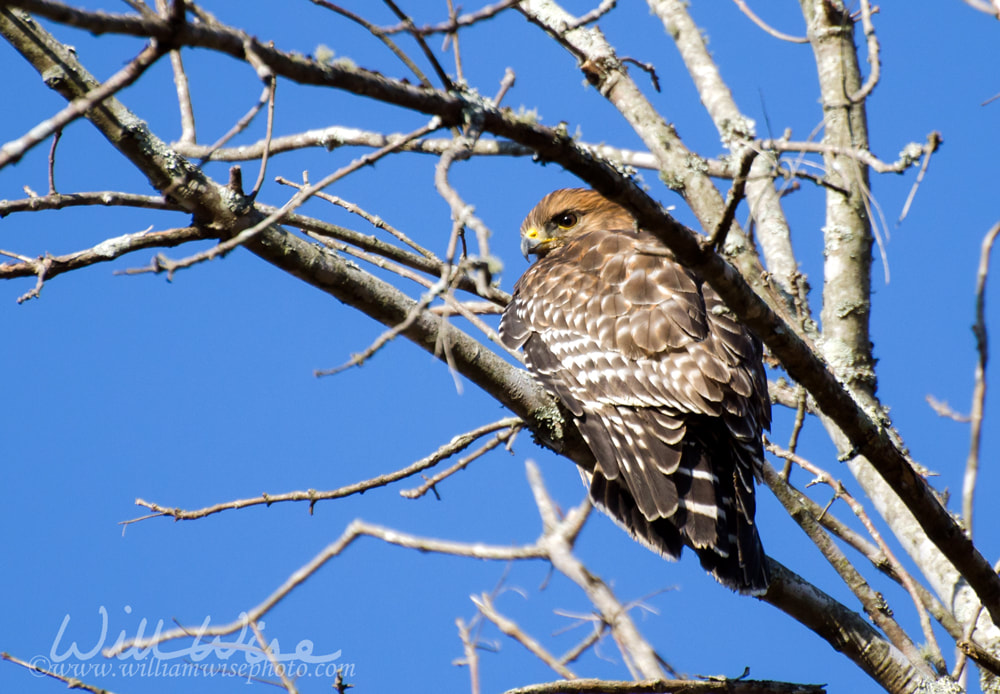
(665, 385)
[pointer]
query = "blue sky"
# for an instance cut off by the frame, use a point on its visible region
(200, 390)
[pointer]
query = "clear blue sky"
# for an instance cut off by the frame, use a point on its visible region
(201, 390)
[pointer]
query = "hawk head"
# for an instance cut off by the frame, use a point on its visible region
(566, 213)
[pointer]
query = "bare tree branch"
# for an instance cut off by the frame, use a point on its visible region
(796, 499)
(353, 531)
(381, 35)
(47, 267)
(874, 603)
(846, 631)
(979, 387)
(471, 650)
(456, 445)
(504, 437)
(863, 428)
(654, 686)
(70, 682)
(455, 22)
(873, 53)
(834, 376)
(278, 667)
(108, 198)
(509, 627)
(767, 27)
(12, 152)
(374, 220)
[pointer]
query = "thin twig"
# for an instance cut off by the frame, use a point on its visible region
(471, 653)
(381, 35)
(962, 657)
(451, 304)
(244, 122)
(47, 267)
(432, 482)
(372, 247)
(468, 308)
(853, 578)
(982, 657)
(428, 53)
(792, 175)
(639, 655)
(667, 686)
(272, 89)
(507, 626)
(979, 389)
(456, 445)
(336, 136)
(793, 438)
(717, 238)
(767, 27)
(452, 38)
(461, 212)
(52, 162)
(873, 54)
(592, 16)
(374, 220)
(40, 267)
(387, 336)
(70, 682)
(188, 133)
(506, 82)
(275, 665)
(170, 266)
(909, 156)
(943, 409)
(570, 656)
(354, 530)
(934, 140)
(108, 198)
(648, 68)
(12, 152)
(453, 23)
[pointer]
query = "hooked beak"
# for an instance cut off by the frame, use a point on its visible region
(531, 239)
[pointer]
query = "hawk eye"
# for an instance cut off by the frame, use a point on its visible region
(565, 220)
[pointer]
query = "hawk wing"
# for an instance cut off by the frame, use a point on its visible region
(666, 387)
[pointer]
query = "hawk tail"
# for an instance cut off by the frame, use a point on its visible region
(715, 514)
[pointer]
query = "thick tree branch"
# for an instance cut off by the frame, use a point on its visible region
(846, 313)
(873, 603)
(12, 152)
(846, 631)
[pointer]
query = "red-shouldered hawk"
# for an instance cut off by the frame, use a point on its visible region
(666, 386)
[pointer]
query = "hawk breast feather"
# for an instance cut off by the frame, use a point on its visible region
(667, 388)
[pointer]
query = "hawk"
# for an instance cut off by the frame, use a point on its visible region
(665, 385)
